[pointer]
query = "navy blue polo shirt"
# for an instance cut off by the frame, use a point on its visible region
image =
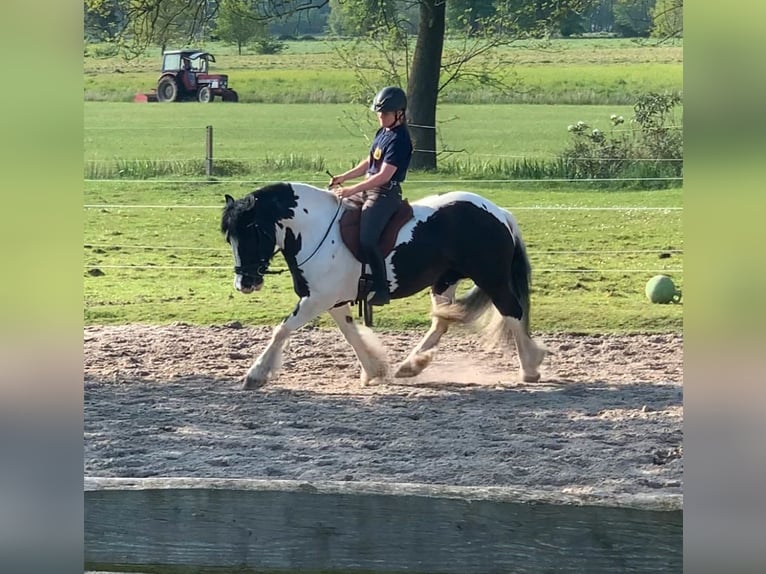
(393, 147)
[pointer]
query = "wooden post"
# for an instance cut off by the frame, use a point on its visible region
(209, 151)
(168, 525)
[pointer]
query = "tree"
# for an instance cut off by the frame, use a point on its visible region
(668, 19)
(236, 23)
(359, 17)
(147, 23)
(102, 21)
(633, 18)
(465, 15)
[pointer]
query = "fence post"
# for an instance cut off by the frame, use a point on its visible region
(209, 150)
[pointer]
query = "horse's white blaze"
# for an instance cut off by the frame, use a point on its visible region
(237, 263)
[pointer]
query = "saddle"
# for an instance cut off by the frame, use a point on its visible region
(349, 233)
(349, 229)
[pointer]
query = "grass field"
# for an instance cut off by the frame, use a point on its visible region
(563, 72)
(302, 140)
(153, 252)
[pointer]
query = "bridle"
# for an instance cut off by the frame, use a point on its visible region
(261, 268)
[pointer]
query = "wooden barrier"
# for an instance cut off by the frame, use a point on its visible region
(176, 525)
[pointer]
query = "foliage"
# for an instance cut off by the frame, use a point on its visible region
(467, 15)
(236, 24)
(361, 17)
(650, 149)
(267, 45)
(101, 20)
(668, 19)
(633, 18)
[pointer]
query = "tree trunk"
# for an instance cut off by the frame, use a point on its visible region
(423, 86)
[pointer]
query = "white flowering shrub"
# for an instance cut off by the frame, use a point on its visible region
(641, 153)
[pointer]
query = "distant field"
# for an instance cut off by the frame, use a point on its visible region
(278, 140)
(606, 71)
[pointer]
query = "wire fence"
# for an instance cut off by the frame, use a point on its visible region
(591, 254)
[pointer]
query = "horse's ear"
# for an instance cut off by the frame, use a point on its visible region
(229, 199)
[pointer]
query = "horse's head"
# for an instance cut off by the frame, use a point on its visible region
(250, 227)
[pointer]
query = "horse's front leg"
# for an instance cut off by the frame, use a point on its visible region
(268, 363)
(368, 349)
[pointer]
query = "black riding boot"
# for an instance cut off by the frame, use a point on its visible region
(379, 279)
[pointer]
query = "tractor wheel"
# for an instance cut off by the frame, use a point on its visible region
(167, 90)
(205, 95)
(230, 96)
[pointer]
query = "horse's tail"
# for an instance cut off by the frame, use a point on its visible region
(467, 309)
(521, 271)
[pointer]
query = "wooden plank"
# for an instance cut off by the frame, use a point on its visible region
(174, 525)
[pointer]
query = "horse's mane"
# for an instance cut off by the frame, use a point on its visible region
(265, 205)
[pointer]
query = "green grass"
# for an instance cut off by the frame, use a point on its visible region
(303, 138)
(589, 265)
(598, 298)
(607, 71)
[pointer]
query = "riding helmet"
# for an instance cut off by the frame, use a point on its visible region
(389, 99)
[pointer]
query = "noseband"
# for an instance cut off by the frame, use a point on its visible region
(261, 268)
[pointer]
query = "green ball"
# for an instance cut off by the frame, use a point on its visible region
(660, 289)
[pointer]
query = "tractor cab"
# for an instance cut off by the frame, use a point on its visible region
(194, 60)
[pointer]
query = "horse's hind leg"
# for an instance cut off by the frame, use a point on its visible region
(420, 357)
(508, 326)
(368, 349)
(531, 354)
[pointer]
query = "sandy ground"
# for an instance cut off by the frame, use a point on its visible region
(166, 401)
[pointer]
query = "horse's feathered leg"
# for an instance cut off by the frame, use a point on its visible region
(368, 349)
(420, 357)
(269, 362)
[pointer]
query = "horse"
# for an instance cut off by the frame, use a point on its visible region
(440, 241)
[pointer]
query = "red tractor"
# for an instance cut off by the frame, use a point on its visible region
(185, 78)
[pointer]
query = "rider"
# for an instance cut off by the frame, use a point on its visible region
(380, 192)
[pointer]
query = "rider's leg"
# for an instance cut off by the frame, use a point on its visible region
(375, 215)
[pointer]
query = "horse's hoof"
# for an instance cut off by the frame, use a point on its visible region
(252, 383)
(406, 370)
(414, 366)
(531, 378)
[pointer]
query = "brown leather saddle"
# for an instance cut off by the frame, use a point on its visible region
(349, 232)
(349, 229)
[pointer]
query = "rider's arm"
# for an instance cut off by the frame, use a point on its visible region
(360, 169)
(380, 179)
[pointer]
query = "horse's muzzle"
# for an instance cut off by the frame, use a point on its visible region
(247, 284)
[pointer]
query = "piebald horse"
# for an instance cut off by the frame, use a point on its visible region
(449, 237)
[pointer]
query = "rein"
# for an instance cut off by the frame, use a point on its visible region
(326, 233)
(262, 265)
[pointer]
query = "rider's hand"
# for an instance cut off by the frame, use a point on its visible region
(339, 191)
(335, 181)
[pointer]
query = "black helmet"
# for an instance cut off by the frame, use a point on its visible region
(389, 99)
